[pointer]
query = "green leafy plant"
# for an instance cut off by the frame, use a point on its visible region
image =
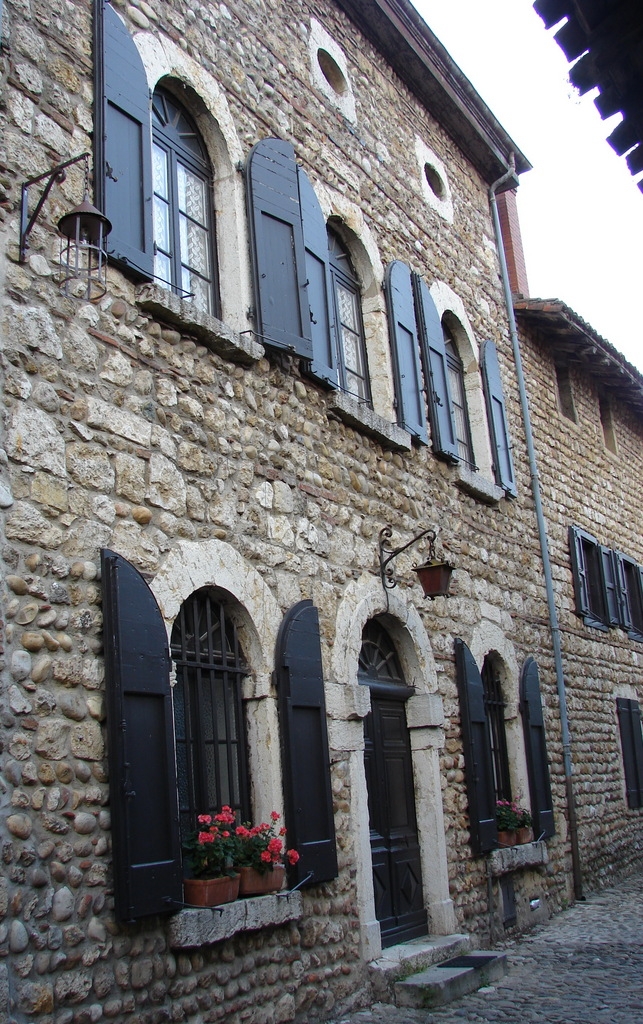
(211, 848)
(263, 846)
(525, 818)
(507, 816)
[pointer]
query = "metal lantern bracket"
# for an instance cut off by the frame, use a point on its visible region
(387, 554)
(50, 177)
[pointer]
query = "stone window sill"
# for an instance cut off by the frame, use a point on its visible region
(478, 486)
(203, 927)
(515, 858)
(238, 348)
(361, 416)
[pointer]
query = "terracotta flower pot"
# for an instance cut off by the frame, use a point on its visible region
(253, 883)
(507, 838)
(211, 892)
(525, 835)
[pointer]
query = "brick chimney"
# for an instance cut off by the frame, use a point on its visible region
(512, 241)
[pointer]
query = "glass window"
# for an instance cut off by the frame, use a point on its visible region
(184, 245)
(458, 397)
(353, 366)
(495, 708)
(208, 720)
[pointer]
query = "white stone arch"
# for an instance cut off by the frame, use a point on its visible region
(348, 218)
(448, 301)
(488, 638)
(164, 59)
(363, 600)
(195, 564)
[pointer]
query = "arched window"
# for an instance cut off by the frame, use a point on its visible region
(494, 706)
(458, 396)
(184, 245)
(352, 363)
(211, 749)
(378, 660)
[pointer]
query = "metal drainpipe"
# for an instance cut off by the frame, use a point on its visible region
(542, 536)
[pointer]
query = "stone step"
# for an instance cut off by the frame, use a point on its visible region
(400, 961)
(450, 979)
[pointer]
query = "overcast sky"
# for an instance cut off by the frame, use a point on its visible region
(581, 212)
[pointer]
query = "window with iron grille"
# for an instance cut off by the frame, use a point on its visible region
(458, 397)
(495, 708)
(184, 256)
(211, 749)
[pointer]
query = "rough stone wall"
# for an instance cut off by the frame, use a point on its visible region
(122, 430)
(586, 484)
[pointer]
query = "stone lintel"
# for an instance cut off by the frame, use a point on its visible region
(191, 928)
(238, 348)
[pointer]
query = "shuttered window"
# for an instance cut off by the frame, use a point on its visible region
(589, 581)
(494, 704)
(503, 466)
(631, 595)
(347, 315)
(184, 250)
(477, 752)
(629, 720)
(533, 723)
(455, 371)
(444, 438)
(405, 350)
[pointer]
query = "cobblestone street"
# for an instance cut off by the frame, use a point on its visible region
(585, 966)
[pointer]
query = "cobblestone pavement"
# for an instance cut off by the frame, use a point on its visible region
(585, 966)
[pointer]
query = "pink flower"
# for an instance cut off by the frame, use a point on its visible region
(274, 816)
(275, 845)
(292, 856)
(204, 819)
(206, 837)
(265, 856)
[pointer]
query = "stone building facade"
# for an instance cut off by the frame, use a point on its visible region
(176, 431)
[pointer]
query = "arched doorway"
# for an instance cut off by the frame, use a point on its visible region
(395, 850)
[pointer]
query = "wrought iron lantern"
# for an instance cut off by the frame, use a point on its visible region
(434, 575)
(82, 232)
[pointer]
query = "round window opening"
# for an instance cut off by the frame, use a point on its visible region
(332, 72)
(435, 180)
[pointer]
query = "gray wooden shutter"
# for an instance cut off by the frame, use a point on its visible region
(434, 359)
(306, 759)
(127, 150)
(405, 350)
(279, 262)
(142, 774)
(533, 723)
(610, 579)
(477, 752)
(503, 466)
(579, 571)
(629, 720)
(322, 320)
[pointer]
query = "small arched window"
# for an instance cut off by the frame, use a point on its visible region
(211, 748)
(184, 244)
(458, 397)
(352, 362)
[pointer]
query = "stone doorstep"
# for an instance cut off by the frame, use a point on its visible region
(436, 986)
(407, 958)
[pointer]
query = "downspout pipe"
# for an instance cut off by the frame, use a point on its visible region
(542, 535)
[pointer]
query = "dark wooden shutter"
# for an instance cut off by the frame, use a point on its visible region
(405, 350)
(279, 263)
(306, 760)
(127, 150)
(503, 466)
(624, 605)
(610, 579)
(533, 723)
(434, 359)
(629, 720)
(319, 289)
(477, 752)
(579, 571)
(143, 793)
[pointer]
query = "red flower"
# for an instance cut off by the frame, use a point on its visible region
(204, 819)
(206, 837)
(265, 856)
(292, 856)
(275, 845)
(275, 816)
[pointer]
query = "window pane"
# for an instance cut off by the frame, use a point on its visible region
(191, 192)
(162, 269)
(197, 289)
(159, 171)
(194, 246)
(161, 224)
(347, 312)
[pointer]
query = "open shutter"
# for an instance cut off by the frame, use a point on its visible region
(434, 360)
(624, 604)
(610, 579)
(279, 263)
(127, 149)
(579, 571)
(143, 793)
(306, 760)
(477, 752)
(629, 720)
(503, 466)
(533, 723)
(405, 350)
(322, 321)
